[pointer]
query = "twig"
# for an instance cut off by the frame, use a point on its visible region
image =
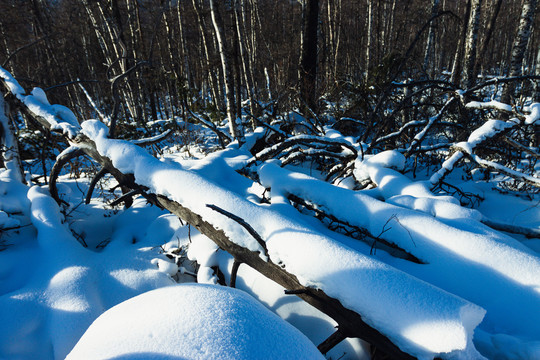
(242, 223)
(22, 48)
(234, 272)
(331, 341)
(62, 159)
(100, 174)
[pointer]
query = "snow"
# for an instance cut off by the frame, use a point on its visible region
(12, 84)
(493, 104)
(165, 266)
(534, 115)
(192, 321)
(451, 320)
(498, 270)
(489, 129)
(172, 181)
(473, 249)
(9, 142)
(58, 116)
(314, 324)
(52, 288)
(6, 221)
(153, 139)
(397, 189)
(475, 293)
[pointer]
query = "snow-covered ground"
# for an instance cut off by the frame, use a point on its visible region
(95, 282)
(478, 288)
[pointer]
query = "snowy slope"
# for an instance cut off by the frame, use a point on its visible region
(192, 322)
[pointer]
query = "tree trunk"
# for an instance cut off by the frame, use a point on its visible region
(458, 58)
(308, 62)
(214, 88)
(227, 72)
(537, 73)
(519, 46)
(471, 42)
(428, 54)
(238, 10)
(487, 38)
(369, 37)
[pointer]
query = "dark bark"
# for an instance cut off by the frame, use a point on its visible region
(308, 62)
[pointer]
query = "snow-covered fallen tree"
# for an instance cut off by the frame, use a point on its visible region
(433, 307)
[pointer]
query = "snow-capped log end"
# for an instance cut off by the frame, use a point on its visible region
(55, 118)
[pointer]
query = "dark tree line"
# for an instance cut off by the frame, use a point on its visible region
(148, 59)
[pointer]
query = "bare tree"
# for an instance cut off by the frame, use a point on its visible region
(227, 72)
(308, 62)
(214, 88)
(471, 42)
(369, 35)
(428, 54)
(489, 34)
(520, 44)
(238, 10)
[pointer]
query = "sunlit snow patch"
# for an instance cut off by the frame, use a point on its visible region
(192, 322)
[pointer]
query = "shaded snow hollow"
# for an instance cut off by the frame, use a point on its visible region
(194, 321)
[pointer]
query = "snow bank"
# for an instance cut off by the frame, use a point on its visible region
(418, 317)
(172, 181)
(463, 256)
(192, 322)
(51, 288)
(12, 193)
(316, 325)
(399, 190)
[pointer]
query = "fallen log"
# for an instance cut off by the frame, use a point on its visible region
(118, 157)
(350, 323)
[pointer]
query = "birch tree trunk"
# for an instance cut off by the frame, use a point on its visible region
(227, 72)
(243, 57)
(471, 42)
(519, 46)
(458, 58)
(214, 88)
(537, 73)
(428, 58)
(369, 37)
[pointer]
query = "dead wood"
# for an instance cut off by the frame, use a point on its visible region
(350, 323)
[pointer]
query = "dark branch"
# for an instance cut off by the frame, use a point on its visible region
(242, 223)
(61, 160)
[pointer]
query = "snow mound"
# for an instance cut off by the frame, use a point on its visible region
(192, 321)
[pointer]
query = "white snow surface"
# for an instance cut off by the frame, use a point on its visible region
(462, 256)
(52, 288)
(400, 190)
(492, 104)
(534, 115)
(58, 116)
(477, 290)
(192, 321)
(420, 318)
